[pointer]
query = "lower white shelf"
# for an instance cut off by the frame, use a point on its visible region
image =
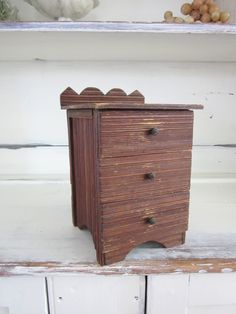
(37, 236)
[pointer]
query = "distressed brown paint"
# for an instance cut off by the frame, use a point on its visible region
(130, 169)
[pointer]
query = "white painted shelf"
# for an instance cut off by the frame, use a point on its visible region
(100, 41)
(38, 238)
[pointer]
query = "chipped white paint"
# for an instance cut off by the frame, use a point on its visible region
(227, 270)
(178, 271)
(67, 269)
(207, 264)
(202, 271)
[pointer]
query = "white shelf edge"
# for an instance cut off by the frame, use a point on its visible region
(121, 27)
(105, 41)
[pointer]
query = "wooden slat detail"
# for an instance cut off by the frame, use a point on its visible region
(80, 114)
(83, 174)
(126, 133)
(92, 95)
(94, 98)
(117, 92)
(119, 253)
(124, 224)
(124, 155)
(135, 105)
(123, 178)
(89, 92)
(84, 169)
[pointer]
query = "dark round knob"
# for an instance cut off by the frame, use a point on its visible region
(150, 176)
(153, 131)
(150, 221)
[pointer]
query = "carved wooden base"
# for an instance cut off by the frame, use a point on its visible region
(118, 253)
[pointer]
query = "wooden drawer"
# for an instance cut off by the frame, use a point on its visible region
(128, 223)
(126, 133)
(145, 176)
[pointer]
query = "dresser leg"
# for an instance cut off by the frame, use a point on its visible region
(79, 220)
(82, 227)
(78, 223)
(174, 240)
(111, 257)
(117, 255)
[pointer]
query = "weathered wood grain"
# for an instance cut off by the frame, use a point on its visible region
(127, 177)
(135, 106)
(129, 217)
(127, 133)
(83, 165)
(131, 156)
(92, 95)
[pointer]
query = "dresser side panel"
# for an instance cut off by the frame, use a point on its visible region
(83, 168)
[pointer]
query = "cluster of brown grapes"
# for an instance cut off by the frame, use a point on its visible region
(199, 11)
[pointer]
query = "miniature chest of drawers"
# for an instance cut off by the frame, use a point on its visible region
(130, 169)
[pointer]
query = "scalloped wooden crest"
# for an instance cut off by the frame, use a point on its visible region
(116, 92)
(91, 91)
(92, 95)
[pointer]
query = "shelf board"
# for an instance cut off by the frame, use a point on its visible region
(100, 41)
(38, 238)
(114, 27)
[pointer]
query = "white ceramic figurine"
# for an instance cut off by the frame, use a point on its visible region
(64, 9)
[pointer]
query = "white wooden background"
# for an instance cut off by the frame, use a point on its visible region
(30, 115)
(30, 111)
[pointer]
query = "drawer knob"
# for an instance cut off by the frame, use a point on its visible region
(150, 176)
(150, 221)
(153, 131)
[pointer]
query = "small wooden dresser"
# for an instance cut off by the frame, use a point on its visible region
(130, 169)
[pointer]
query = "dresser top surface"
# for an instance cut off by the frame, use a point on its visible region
(120, 106)
(93, 98)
